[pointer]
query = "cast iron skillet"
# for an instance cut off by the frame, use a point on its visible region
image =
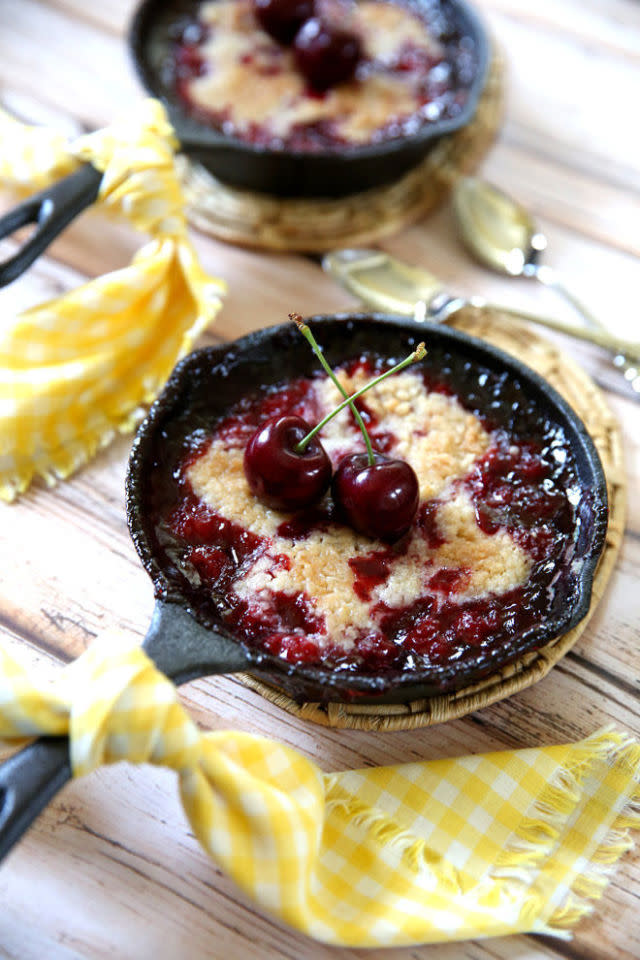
(279, 172)
(286, 172)
(185, 642)
(208, 382)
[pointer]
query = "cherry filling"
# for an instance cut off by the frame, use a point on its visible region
(525, 484)
(514, 487)
(215, 547)
(427, 524)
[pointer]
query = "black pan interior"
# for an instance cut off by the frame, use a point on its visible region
(287, 173)
(206, 383)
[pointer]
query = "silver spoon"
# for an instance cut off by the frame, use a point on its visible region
(393, 286)
(501, 235)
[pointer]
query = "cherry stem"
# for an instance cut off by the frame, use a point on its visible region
(418, 354)
(308, 335)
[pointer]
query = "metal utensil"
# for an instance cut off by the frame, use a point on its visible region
(502, 235)
(385, 283)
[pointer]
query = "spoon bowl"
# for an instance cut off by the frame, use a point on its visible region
(502, 235)
(499, 232)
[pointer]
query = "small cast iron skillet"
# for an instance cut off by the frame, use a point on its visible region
(286, 172)
(279, 172)
(183, 640)
(204, 386)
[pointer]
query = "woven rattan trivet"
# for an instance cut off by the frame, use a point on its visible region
(314, 226)
(587, 401)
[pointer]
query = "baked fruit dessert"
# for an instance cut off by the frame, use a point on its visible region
(498, 559)
(321, 75)
(272, 117)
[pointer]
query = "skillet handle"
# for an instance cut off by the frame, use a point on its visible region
(185, 650)
(52, 210)
(179, 646)
(28, 780)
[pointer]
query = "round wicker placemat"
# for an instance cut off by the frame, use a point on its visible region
(314, 226)
(586, 399)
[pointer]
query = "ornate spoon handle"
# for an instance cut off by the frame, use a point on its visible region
(625, 361)
(600, 337)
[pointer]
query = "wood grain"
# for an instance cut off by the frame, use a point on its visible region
(115, 868)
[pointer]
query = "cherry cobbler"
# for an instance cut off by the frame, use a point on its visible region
(495, 523)
(303, 76)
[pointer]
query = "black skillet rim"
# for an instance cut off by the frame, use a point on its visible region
(185, 124)
(437, 679)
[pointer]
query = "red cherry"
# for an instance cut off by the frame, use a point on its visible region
(282, 18)
(379, 499)
(326, 54)
(277, 473)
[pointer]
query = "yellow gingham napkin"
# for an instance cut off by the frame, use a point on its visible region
(77, 369)
(510, 842)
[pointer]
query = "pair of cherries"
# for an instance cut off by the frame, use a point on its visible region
(325, 53)
(287, 468)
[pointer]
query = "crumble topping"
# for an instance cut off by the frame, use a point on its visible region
(430, 430)
(251, 79)
(441, 441)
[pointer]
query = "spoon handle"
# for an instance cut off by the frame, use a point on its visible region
(385, 283)
(28, 781)
(548, 277)
(624, 360)
(179, 646)
(601, 337)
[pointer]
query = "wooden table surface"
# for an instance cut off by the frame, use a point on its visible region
(111, 869)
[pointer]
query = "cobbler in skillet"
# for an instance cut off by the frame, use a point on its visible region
(487, 559)
(321, 75)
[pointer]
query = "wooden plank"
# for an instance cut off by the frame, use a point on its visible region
(111, 17)
(84, 833)
(613, 26)
(91, 503)
(37, 41)
(565, 109)
(116, 869)
(567, 198)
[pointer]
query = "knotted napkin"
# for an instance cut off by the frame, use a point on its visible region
(510, 842)
(78, 369)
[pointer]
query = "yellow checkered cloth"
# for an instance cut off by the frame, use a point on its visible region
(509, 842)
(78, 369)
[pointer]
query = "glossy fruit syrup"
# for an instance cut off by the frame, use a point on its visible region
(524, 484)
